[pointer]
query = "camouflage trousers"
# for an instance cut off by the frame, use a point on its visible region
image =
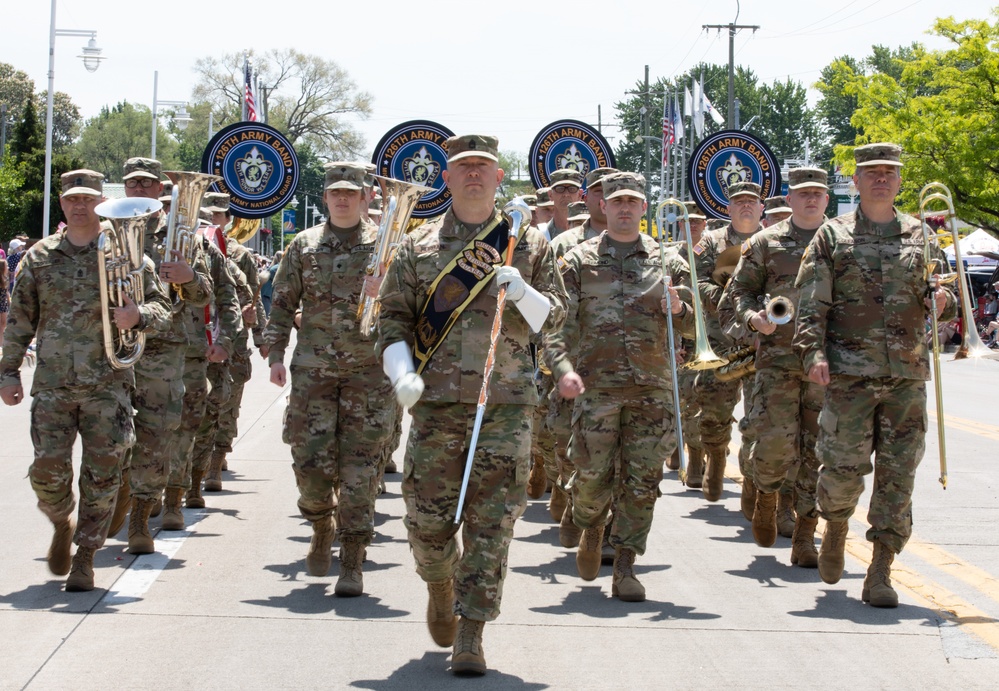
(338, 428)
(396, 437)
(496, 497)
(195, 399)
(102, 416)
(158, 400)
(717, 400)
(860, 416)
(620, 437)
(220, 389)
(689, 409)
(560, 422)
(240, 370)
(786, 422)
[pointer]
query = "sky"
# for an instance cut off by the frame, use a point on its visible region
(507, 71)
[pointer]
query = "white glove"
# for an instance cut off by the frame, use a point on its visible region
(516, 286)
(397, 363)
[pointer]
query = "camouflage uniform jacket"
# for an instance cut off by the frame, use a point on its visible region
(454, 373)
(241, 343)
(224, 303)
(713, 243)
(614, 320)
(564, 242)
(57, 300)
(861, 307)
(769, 266)
(243, 258)
(196, 293)
(324, 276)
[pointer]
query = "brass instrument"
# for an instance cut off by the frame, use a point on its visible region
(185, 204)
(741, 362)
(402, 199)
(242, 229)
(780, 310)
(704, 356)
(120, 264)
(667, 282)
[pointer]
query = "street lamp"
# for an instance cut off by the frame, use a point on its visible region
(91, 57)
(293, 205)
(181, 117)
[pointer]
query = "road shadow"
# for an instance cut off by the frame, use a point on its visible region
(767, 570)
(318, 598)
(591, 601)
(432, 672)
(537, 512)
(843, 605)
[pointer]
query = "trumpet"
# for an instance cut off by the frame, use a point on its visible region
(120, 264)
(402, 199)
(779, 310)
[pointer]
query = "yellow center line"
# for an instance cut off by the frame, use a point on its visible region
(982, 429)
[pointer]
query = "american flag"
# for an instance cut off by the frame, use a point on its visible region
(669, 129)
(251, 106)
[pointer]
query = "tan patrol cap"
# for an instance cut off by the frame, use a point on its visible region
(776, 205)
(344, 175)
(742, 189)
(545, 197)
(880, 154)
(531, 200)
(167, 192)
(578, 211)
(217, 202)
(694, 211)
(799, 178)
(623, 184)
(82, 181)
(139, 167)
(565, 176)
(594, 177)
(469, 145)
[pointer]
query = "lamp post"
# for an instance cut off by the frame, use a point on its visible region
(294, 206)
(182, 118)
(91, 60)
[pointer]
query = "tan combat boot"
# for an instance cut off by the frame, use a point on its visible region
(140, 540)
(320, 556)
(765, 519)
(194, 500)
(568, 532)
(121, 504)
(157, 506)
(59, 558)
(81, 575)
(351, 581)
(695, 467)
(714, 477)
(747, 501)
(468, 657)
(213, 478)
(803, 552)
(440, 612)
(625, 586)
(557, 502)
(588, 554)
(537, 483)
(831, 553)
(673, 462)
(877, 585)
(173, 517)
(785, 515)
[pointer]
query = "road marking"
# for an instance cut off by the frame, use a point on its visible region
(982, 429)
(143, 572)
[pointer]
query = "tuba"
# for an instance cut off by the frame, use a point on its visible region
(120, 263)
(185, 203)
(402, 199)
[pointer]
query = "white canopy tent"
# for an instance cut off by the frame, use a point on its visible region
(974, 246)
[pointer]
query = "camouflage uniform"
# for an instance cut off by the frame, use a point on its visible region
(341, 412)
(196, 366)
(623, 424)
(159, 379)
(56, 299)
(787, 404)
(862, 311)
(443, 418)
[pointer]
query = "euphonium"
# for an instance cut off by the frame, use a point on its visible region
(120, 263)
(705, 357)
(780, 310)
(401, 198)
(182, 225)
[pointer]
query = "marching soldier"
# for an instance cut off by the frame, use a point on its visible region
(775, 210)
(717, 398)
(438, 301)
(786, 404)
(565, 187)
(861, 333)
(623, 421)
(544, 208)
(75, 390)
(341, 410)
(159, 378)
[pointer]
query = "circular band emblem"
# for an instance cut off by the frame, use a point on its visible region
(258, 166)
(414, 152)
(725, 158)
(568, 144)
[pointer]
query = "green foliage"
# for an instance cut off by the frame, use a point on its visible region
(119, 133)
(943, 108)
(11, 184)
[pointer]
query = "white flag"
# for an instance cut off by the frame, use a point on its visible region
(677, 118)
(688, 103)
(698, 102)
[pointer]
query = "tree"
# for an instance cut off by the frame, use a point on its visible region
(513, 164)
(16, 88)
(308, 98)
(786, 122)
(11, 184)
(119, 133)
(944, 111)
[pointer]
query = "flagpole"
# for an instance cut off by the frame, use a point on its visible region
(246, 67)
(663, 154)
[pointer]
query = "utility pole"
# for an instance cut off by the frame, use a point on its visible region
(733, 28)
(645, 137)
